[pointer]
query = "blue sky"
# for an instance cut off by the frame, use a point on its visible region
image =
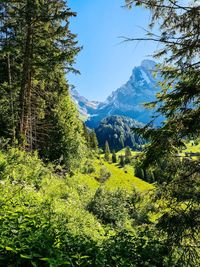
(105, 63)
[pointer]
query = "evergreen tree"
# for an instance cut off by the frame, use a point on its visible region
(86, 135)
(114, 157)
(107, 151)
(65, 143)
(93, 141)
(121, 141)
(127, 155)
(139, 172)
(40, 44)
(9, 78)
(121, 162)
(179, 103)
(37, 50)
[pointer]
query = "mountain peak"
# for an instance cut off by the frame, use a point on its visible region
(127, 100)
(148, 64)
(86, 108)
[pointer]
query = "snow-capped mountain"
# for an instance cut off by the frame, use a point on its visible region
(86, 108)
(128, 100)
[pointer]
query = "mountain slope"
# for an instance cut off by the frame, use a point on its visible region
(128, 100)
(85, 107)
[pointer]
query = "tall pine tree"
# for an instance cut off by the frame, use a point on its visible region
(37, 51)
(93, 141)
(128, 154)
(114, 157)
(107, 151)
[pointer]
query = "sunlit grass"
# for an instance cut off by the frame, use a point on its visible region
(122, 152)
(191, 148)
(124, 178)
(120, 177)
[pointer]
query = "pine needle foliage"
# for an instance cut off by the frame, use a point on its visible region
(179, 102)
(37, 50)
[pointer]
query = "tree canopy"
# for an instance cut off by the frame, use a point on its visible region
(37, 50)
(179, 102)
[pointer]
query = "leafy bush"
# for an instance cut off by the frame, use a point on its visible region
(109, 207)
(104, 174)
(88, 167)
(117, 207)
(20, 167)
(43, 225)
(140, 247)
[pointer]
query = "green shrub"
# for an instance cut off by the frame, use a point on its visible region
(22, 168)
(88, 167)
(109, 207)
(43, 225)
(104, 175)
(141, 247)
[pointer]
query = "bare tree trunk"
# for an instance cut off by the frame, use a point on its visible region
(25, 94)
(11, 97)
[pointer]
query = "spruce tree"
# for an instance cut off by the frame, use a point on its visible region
(65, 143)
(40, 44)
(127, 155)
(9, 69)
(86, 135)
(122, 161)
(178, 102)
(107, 151)
(37, 51)
(93, 141)
(121, 141)
(114, 157)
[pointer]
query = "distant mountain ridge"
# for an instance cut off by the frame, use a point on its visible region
(85, 107)
(127, 100)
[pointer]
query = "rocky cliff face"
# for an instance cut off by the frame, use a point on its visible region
(127, 100)
(86, 108)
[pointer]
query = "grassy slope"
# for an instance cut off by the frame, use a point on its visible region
(122, 152)
(122, 178)
(191, 148)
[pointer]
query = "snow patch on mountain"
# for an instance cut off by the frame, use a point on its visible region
(128, 100)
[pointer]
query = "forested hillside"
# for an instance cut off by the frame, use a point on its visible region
(117, 131)
(67, 199)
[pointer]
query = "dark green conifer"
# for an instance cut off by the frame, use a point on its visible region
(179, 103)
(37, 50)
(93, 141)
(114, 157)
(122, 161)
(127, 155)
(86, 135)
(107, 151)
